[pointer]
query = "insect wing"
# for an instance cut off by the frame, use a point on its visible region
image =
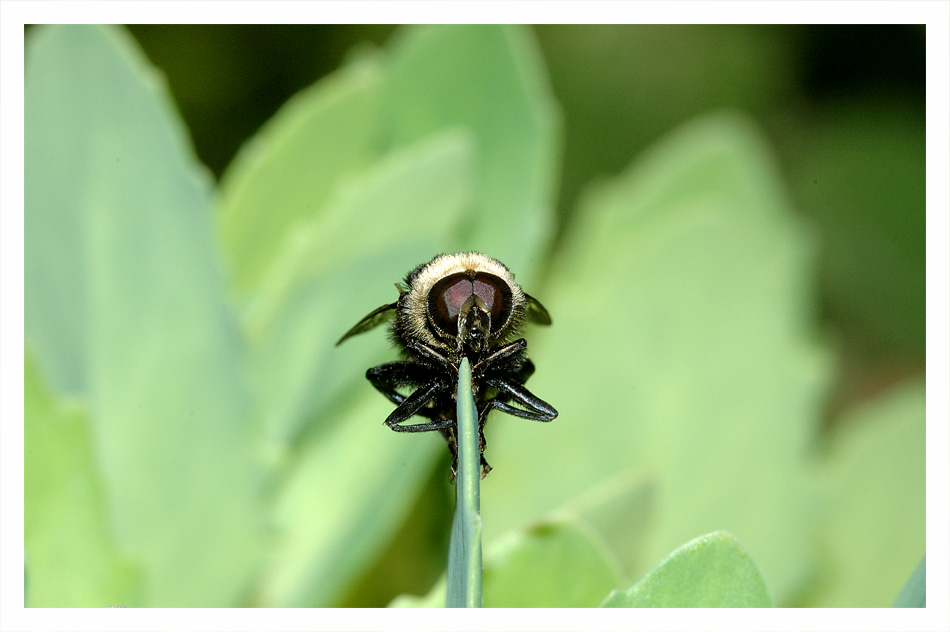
(535, 311)
(376, 317)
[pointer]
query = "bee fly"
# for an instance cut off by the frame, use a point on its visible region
(455, 306)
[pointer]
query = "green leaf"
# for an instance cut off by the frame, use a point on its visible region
(413, 196)
(337, 260)
(348, 488)
(285, 176)
(464, 570)
(71, 559)
(556, 564)
(874, 481)
(682, 349)
(620, 510)
(126, 307)
(490, 81)
(561, 564)
(914, 592)
(712, 571)
(340, 266)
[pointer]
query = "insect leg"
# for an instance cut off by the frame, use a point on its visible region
(537, 408)
(387, 377)
(501, 354)
(526, 371)
(431, 355)
(411, 405)
(482, 416)
(449, 434)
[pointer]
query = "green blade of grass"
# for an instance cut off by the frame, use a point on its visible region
(464, 573)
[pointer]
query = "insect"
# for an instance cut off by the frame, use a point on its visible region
(456, 306)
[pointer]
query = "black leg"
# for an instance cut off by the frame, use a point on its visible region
(411, 405)
(500, 356)
(449, 434)
(482, 416)
(431, 356)
(387, 377)
(537, 409)
(526, 371)
(505, 370)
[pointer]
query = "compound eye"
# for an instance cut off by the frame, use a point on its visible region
(448, 295)
(446, 299)
(492, 291)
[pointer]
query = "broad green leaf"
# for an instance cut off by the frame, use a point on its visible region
(340, 267)
(621, 509)
(328, 532)
(914, 592)
(712, 571)
(489, 80)
(681, 347)
(71, 559)
(380, 219)
(284, 177)
(349, 487)
(874, 479)
(560, 564)
(126, 307)
(556, 564)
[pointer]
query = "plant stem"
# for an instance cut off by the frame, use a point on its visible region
(464, 573)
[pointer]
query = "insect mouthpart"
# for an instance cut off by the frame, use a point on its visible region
(474, 327)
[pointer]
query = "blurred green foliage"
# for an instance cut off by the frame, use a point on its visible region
(914, 593)
(181, 373)
(843, 106)
(127, 312)
(696, 280)
(712, 571)
(73, 561)
(555, 564)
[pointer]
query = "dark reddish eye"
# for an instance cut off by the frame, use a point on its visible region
(497, 297)
(487, 289)
(446, 298)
